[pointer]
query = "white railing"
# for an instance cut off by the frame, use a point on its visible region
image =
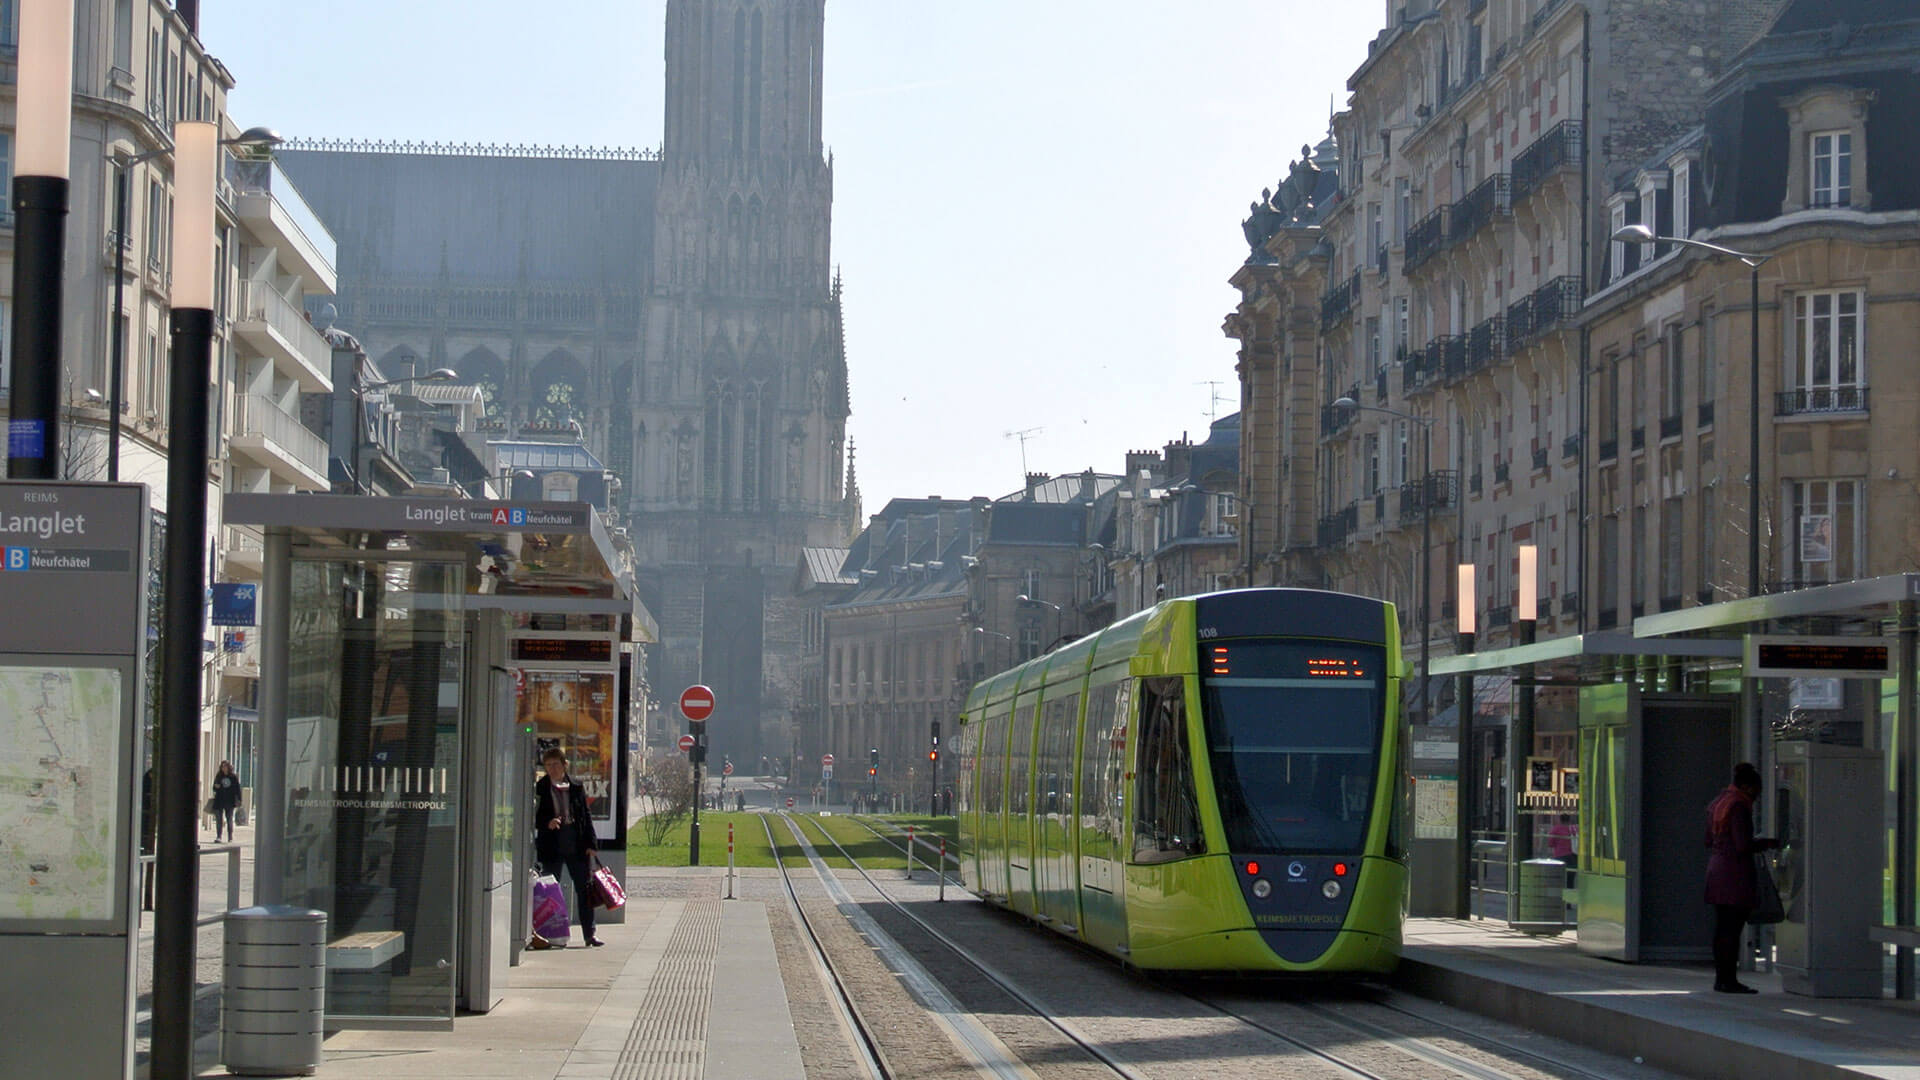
(257, 414)
(259, 301)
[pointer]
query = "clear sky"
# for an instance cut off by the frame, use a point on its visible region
(1037, 202)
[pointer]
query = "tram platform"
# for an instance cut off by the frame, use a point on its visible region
(688, 988)
(1665, 1015)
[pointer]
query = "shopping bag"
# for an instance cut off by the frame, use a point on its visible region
(1767, 908)
(550, 909)
(607, 890)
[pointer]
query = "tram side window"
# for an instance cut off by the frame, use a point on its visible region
(1100, 788)
(1166, 819)
(1056, 755)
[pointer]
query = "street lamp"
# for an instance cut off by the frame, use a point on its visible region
(360, 440)
(1640, 234)
(1467, 783)
(196, 168)
(43, 125)
(1426, 534)
(252, 138)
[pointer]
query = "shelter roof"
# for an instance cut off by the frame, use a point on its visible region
(544, 455)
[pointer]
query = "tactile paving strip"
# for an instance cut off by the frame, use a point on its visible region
(668, 1040)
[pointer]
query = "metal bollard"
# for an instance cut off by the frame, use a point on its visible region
(729, 860)
(909, 853)
(943, 869)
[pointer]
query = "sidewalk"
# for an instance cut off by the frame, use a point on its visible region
(685, 989)
(1666, 1015)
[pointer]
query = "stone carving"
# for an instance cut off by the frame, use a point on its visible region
(1289, 205)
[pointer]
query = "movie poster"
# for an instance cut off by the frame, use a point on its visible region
(574, 710)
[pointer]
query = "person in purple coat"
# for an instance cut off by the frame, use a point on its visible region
(1731, 884)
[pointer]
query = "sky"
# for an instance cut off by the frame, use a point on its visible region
(1037, 203)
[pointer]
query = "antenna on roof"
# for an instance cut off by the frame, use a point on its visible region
(1023, 435)
(1213, 404)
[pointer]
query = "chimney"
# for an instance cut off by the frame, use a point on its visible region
(1087, 487)
(876, 539)
(1034, 480)
(190, 14)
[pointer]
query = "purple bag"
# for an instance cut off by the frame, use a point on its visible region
(550, 919)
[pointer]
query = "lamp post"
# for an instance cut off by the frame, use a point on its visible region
(43, 124)
(1640, 234)
(196, 164)
(1520, 739)
(1059, 616)
(1426, 533)
(360, 440)
(1463, 884)
(1008, 638)
(253, 137)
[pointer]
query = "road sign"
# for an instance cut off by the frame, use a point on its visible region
(727, 769)
(827, 760)
(696, 702)
(789, 802)
(826, 772)
(686, 742)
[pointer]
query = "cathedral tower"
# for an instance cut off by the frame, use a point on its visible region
(739, 417)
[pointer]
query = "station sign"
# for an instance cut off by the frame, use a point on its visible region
(1789, 657)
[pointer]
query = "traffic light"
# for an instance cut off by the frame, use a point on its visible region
(873, 758)
(933, 755)
(936, 734)
(871, 771)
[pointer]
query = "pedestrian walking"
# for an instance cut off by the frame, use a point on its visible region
(566, 835)
(226, 799)
(1732, 880)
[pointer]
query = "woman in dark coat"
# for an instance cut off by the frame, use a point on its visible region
(565, 834)
(1732, 886)
(226, 799)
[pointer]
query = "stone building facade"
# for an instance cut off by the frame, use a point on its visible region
(1435, 282)
(675, 309)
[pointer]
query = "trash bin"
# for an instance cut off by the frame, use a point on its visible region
(1541, 908)
(274, 991)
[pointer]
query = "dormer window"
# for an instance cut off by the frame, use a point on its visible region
(1830, 175)
(1827, 126)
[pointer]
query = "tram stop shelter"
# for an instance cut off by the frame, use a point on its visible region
(1816, 687)
(416, 656)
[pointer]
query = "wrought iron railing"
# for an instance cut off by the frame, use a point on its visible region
(1380, 386)
(1488, 200)
(1559, 148)
(1820, 399)
(1500, 616)
(1441, 490)
(1487, 343)
(1570, 446)
(1539, 458)
(1454, 351)
(1473, 484)
(1570, 603)
(1502, 472)
(1338, 303)
(1426, 237)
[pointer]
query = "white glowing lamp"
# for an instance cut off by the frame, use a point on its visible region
(43, 102)
(1465, 611)
(196, 166)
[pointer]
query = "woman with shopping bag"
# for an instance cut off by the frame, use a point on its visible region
(1733, 886)
(565, 835)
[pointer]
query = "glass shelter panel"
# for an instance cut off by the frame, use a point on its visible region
(373, 779)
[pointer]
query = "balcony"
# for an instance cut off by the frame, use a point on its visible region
(1333, 421)
(1336, 305)
(1426, 238)
(1570, 603)
(1549, 307)
(1489, 200)
(276, 440)
(1486, 343)
(1414, 373)
(1705, 417)
(1609, 449)
(1453, 353)
(1570, 447)
(1670, 427)
(272, 208)
(1559, 148)
(272, 324)
(1502, 473)
(1540, 459)
(1820, 399)
(1380, 387)
(1439, 492)
(1473, 484)
(1380, 262)
(1500, 616)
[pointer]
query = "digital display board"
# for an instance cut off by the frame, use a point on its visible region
(564, 650)
(1815, 657)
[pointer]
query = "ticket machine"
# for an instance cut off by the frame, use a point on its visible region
(1827, 814)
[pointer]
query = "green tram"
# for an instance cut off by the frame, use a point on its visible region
(1214, 784)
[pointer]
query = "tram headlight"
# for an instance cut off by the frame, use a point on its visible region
(1262, 888)
(1330, 889)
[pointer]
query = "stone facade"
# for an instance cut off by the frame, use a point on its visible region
(678, 307)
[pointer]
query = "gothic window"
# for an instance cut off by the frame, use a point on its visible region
(750, 449)
(739, 78)
(559, 386)
(754, 90)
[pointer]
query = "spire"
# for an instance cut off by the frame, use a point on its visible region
(851, 517)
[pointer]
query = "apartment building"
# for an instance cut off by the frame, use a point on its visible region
(1410, 350)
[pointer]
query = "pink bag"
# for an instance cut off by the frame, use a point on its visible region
(607, 891)
(550, 919)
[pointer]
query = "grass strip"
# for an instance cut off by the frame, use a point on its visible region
(750, 847)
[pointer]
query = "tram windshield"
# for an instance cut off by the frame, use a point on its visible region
(1293, 734)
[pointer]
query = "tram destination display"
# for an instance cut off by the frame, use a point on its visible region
(1781, 656)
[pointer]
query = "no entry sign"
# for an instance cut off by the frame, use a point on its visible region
(826, 759)
(686, 742)
(727, 769)
(696, 702)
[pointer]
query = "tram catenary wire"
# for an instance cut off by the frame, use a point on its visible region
(1413, 1046)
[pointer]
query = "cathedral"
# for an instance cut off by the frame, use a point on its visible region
(677, 310)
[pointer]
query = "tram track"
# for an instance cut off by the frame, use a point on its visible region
(1418, 1053)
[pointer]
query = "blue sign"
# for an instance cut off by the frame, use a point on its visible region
(233, 604)
(27, 438)
(16, 557)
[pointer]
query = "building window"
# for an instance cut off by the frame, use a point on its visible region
(1709, 524)
(9, 23)
(1824, 531)
(1683, 199)
(1831, 367)
(560, 487)
(1673, 374)
(1830, 172)
(1374, 366)
(1637, 542)
(1609, 558)
(1672, 546)
(1400, 339)
(1401, 475)
(6, 173)
(1029, 642)
(1030, 585)
(1373, 464)
(156, 203)
(154, 380)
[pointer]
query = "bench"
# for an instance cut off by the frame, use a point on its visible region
(365, 951)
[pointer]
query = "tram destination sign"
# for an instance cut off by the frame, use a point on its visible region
(1780, 656)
